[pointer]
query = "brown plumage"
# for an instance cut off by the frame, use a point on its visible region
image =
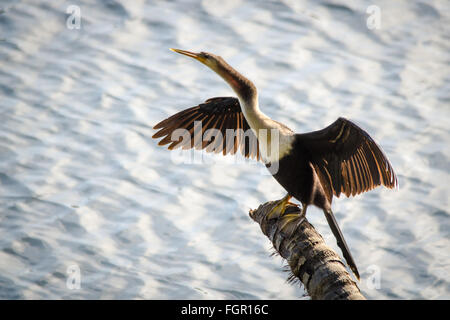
(347, 160)
(219, 113)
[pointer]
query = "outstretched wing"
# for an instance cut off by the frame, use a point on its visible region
(347, 160)
(194, 128)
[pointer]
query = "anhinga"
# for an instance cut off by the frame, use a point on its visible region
(312, 167)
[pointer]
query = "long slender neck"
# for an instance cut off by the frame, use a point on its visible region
(271, 149)
(246, 92)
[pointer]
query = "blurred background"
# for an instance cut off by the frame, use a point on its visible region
(91, 207)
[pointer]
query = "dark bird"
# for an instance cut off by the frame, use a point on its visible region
(312, 167)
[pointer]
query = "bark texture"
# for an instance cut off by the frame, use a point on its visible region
(311, 261)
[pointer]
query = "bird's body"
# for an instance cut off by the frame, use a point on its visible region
(312, 167)
(299, 177)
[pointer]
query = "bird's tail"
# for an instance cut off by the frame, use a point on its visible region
(341, 241)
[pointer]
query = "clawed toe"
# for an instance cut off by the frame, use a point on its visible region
(279, 209)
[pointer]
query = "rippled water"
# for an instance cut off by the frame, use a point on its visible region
(83, 187)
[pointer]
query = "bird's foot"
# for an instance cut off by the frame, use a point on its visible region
(291, 221)
(280, 207)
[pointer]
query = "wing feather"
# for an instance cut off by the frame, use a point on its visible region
(347, 160)
(219, 113)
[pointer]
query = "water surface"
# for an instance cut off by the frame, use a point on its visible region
(83, 185)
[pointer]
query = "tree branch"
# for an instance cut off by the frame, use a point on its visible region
(316, 265)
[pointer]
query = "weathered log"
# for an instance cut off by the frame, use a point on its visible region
(311, 261)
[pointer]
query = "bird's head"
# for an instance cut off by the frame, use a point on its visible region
(243, 87)
(210, 60)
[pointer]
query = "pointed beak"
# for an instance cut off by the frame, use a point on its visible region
(194, 55)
